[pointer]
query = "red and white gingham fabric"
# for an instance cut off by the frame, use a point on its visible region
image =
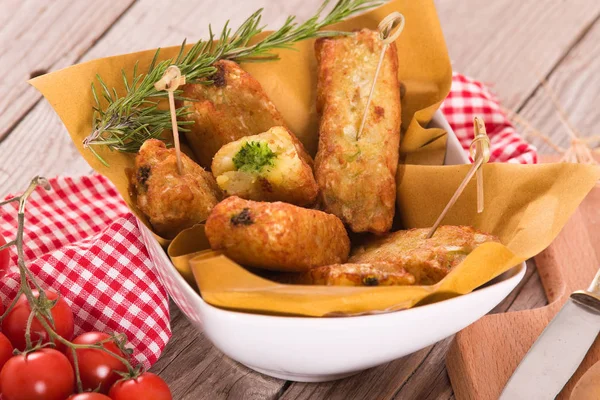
(468, 98)
(81, 240)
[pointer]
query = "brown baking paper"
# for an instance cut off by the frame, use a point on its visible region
(424, 68)
(526, 206)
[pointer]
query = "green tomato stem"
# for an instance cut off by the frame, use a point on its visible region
(12, 199)
(12, 305)
(7, 245)
(76, 368)
(28, 330)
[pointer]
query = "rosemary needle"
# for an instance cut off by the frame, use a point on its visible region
(127, 121)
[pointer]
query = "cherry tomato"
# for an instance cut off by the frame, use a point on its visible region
(147, 386)
(45, 374)
(95, 366)
(4, 257)
(6, 350)
(89, 396)
(15, 322)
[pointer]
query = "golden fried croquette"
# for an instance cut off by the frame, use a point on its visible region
(276, 236)
(234, 105)
(269, 166)
(376, 274)
(357, 176)
(171, 201)
(428, 260)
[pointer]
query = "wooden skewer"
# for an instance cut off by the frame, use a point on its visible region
(480, 147)
(480, 152)
(393, 21)
(170, 81)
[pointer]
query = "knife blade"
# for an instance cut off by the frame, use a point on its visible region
(558, 351)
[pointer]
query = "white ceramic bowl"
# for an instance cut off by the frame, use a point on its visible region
(322, 349)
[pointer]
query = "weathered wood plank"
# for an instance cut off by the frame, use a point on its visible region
(375, 383)
(531, 296)
(507, 43)
(182, 334)
(430, 381)
(150, 24)
(37, 37)
(576, 81)
(38, 146)
(530, 275)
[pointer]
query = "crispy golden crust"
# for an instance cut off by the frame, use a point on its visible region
(232, 107)
(376, 274)
(429, 260)
(172, 202)
(276, 236)
(289, 178)
(357, 177)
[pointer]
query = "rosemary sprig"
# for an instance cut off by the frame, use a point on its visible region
(127, 121)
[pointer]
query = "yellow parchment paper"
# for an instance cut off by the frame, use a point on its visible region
(424, 69)
(525, 205)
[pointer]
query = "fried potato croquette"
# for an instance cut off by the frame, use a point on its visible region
(269, 166)
(276, 236)
(428, 260)
(171, 201)
(357, 175)
(376, 274)
(234, 105)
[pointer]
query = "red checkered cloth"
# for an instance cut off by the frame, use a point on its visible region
(468, 98)
(81, 240)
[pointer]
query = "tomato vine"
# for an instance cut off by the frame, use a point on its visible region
(42, 306)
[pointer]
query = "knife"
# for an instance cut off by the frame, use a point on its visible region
(556, 354)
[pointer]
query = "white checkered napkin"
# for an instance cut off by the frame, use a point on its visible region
(468, 98)
(82, 241)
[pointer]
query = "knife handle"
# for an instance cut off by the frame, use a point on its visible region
(587, 299)
(595, 285)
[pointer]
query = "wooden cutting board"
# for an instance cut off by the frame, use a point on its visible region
(484, 355)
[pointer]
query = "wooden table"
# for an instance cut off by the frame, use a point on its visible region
(506, 43)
